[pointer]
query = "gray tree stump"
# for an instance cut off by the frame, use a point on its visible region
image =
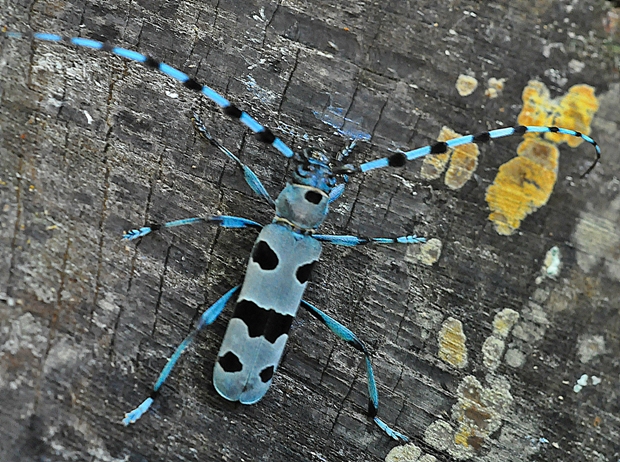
(93, 145)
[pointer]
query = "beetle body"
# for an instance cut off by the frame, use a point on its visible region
(276, 277)
(275, 280)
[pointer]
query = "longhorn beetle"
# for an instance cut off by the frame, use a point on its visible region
(286, 249)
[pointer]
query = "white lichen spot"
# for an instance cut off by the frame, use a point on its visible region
(427, 458)
(406, 453)
(550, 46)
(552, 265)
(494, 87)
(89, 118)
(575, 66)
(452, 348)
(556, 77)
(107, 313)
(529, 332)
(553, 262)
(514, 358)
(440, 435)
(582, 382)
(427, 319)
(590, 346)
(63, 354)
(466, 85)
(430, 252)
(492, 350)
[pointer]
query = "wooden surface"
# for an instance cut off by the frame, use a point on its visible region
(93, 145)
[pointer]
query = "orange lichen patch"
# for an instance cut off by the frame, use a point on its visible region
(452, 347)
(536, 104)
(523, 184)
(463, 162)
(574, 110)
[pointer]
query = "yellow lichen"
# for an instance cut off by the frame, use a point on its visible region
(452, 347)
(574, 110)
(463, 435)
(522, 184)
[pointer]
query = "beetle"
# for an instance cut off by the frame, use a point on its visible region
(285, 251)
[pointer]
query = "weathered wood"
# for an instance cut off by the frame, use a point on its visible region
(93, 145)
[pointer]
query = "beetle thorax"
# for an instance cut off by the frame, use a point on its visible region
(303, 203)
(301, 207)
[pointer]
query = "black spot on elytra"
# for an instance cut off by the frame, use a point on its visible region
(266, 374)
(278, 324)
(253, 316)
(313, 197)
(261, 321)
(303, 272)
(265, 256)
(230, 362)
